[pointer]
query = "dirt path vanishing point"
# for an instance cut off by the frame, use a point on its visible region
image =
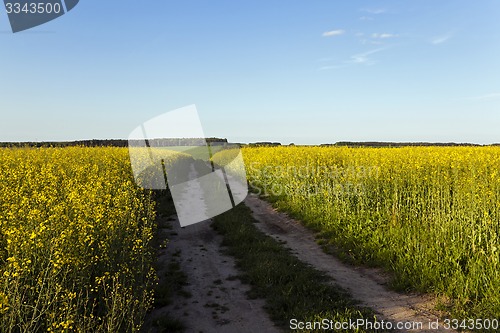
(365, 285)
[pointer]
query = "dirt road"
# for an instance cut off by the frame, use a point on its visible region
(218, 303)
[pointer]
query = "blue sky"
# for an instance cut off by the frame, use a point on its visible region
(307, 72)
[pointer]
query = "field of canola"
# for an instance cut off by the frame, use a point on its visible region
(75, 233)
(76, 230)
(430, 215)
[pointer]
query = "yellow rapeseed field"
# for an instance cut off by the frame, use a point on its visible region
(431, 215)
(75, 234)
(76, 230)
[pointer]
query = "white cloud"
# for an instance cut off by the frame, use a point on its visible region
(375, 11)
(363, 58)
(366, 18)
(440, 39)
(356, 59)
(333, 33)
(384, 35)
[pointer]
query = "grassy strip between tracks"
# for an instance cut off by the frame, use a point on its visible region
(292, 289)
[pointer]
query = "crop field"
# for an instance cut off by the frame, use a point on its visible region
(76, 230)
(75, 236)
(429, 215)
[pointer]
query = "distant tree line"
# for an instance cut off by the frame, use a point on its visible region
(163, 142)
(113, 143)
(399, 144)
(371, 144)
(176, 142)
(264, 144)
(55, 144)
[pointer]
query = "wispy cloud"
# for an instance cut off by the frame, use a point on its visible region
(441, 39)
(363, 58)
(333, 33)
(356, 59)
(383, 35)
(488, 97)
(366, 18)
(374, 11)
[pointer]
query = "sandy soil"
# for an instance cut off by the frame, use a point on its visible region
(219, 303)
(365, 285)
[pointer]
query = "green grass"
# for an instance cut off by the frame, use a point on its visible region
(291, 288)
